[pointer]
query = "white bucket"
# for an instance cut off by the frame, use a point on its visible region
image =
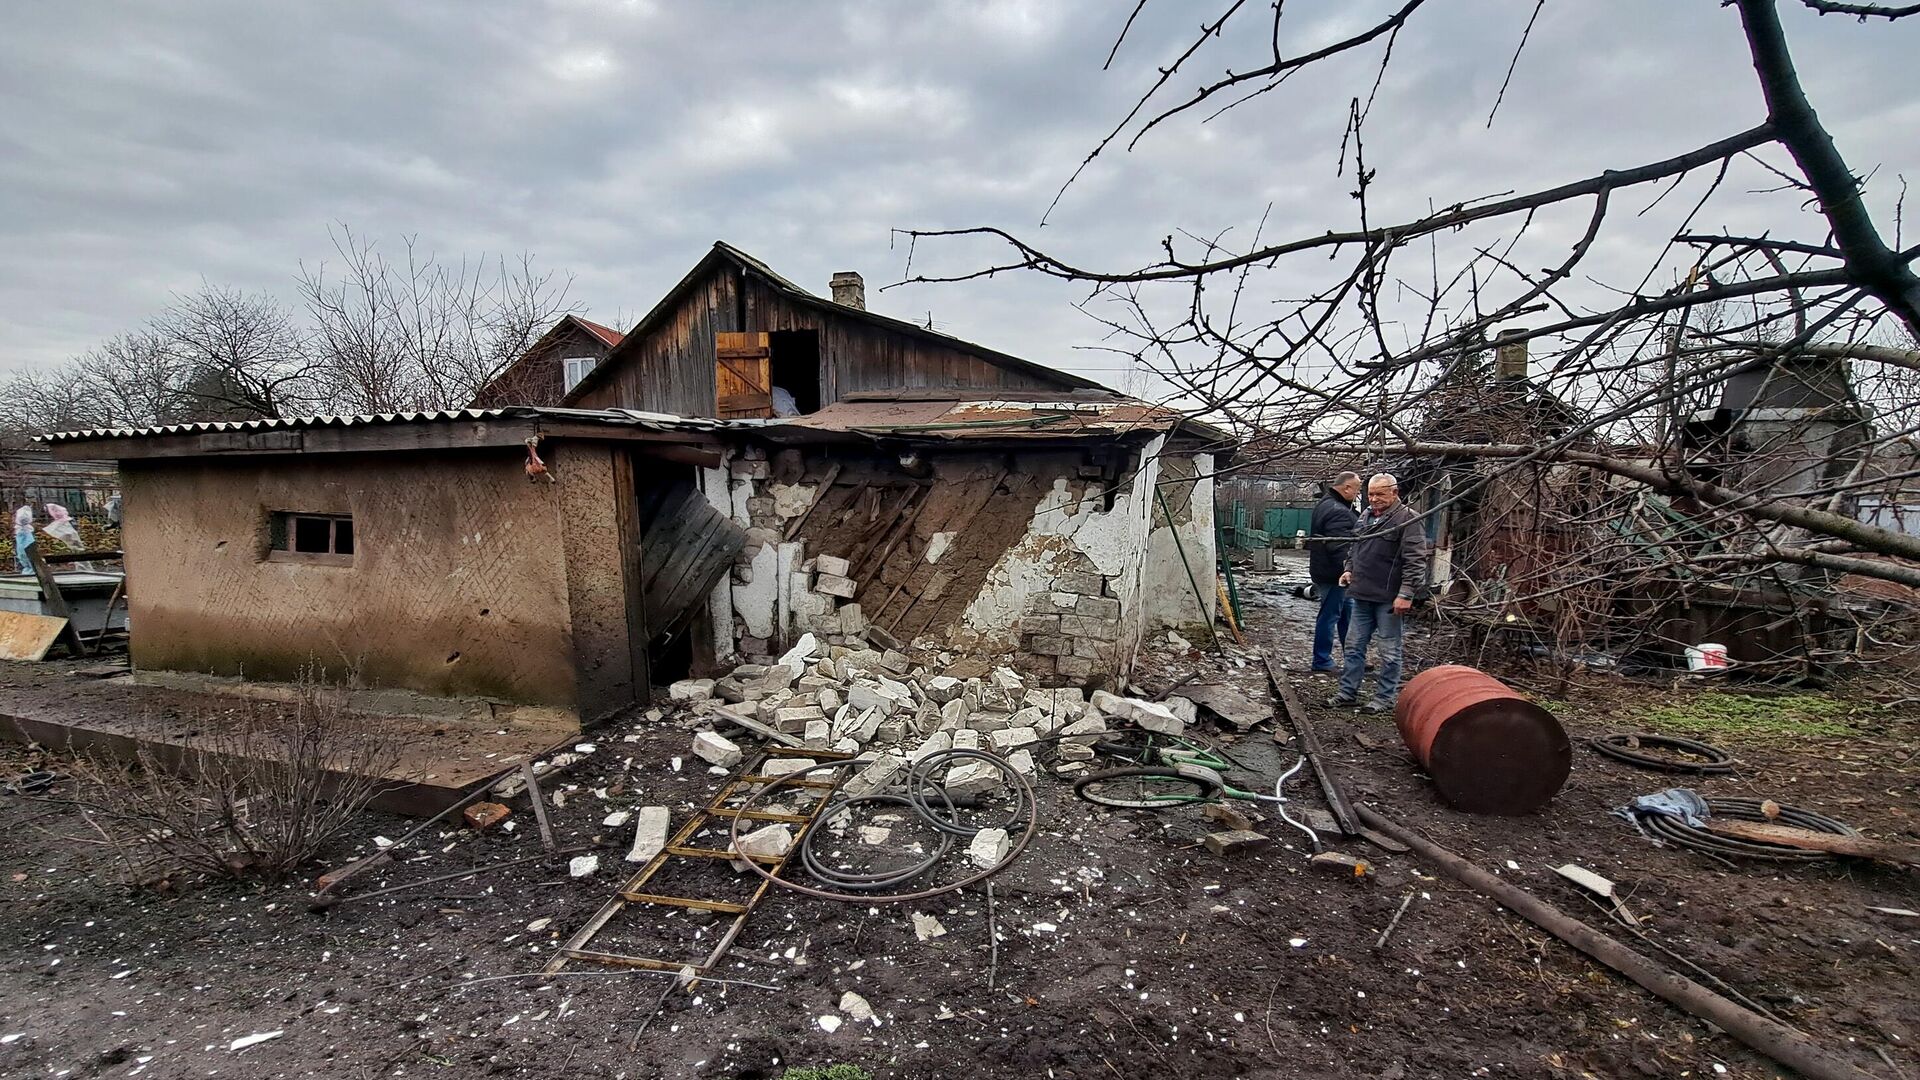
(1706, 656)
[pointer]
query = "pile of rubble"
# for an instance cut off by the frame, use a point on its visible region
(880, 707)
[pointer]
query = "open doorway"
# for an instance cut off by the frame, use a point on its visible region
(796, 368)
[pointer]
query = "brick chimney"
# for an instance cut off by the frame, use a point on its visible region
(1509, 357)
(849, 289)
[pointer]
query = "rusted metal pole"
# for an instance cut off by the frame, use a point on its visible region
(1778, 1042)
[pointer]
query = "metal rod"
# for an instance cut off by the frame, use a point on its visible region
(1310, 748)
(1776, 1041)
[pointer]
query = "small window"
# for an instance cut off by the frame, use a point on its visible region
(316, 538)
(576, 369)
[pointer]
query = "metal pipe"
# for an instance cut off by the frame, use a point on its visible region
(1776, 1041)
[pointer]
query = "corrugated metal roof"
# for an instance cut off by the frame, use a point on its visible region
(622, 417)
(945, 420)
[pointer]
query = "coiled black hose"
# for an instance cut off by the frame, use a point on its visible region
(1624, 746)
(1681, 834)
(874, 882)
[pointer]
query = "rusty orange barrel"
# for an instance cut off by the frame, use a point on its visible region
(1489, 750)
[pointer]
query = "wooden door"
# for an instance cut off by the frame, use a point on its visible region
(743, 375)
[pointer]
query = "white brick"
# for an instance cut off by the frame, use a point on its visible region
(832, 565)
(1012, 738)
(650, 830)
(989, 848)
(691, 690)
(716, 750)
(833, 585)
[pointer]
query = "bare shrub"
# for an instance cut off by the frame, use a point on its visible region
(257, 794)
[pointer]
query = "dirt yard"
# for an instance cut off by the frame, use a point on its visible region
(1127, 950)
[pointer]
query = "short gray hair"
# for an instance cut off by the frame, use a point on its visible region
(1385, 478)
(1346, 478)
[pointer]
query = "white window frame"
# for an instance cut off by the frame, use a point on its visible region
(575, 368)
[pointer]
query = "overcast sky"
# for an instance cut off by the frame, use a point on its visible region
(147, 146)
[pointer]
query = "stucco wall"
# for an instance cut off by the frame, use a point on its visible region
(458, 585)
(1167, 592)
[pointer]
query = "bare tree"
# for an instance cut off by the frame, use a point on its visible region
(1391, 355)
(240, 353)
(419, 333)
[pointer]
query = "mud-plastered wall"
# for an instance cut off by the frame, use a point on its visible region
(457, 585)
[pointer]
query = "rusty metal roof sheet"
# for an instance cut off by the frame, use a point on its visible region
(994, 419)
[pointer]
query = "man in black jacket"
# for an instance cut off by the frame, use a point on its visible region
(1332, 527)
(1386, 571)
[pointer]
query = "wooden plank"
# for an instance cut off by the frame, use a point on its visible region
(28, 637)
(819, 493)
(52, 599)
(629, 536)
(1810, 840)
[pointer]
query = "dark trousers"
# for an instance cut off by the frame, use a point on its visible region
(1334, 609)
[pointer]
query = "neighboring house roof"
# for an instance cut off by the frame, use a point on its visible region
(723, 253)
(605, 333)
(519, 379)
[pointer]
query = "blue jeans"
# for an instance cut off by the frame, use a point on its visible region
(1333, 610)
(1371, 620)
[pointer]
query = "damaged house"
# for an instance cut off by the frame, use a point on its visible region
(748, 464)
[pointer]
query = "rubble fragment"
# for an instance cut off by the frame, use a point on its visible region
(1236, 841)
(649, 833)
(485, 815)
(716, 749)
(989, 848)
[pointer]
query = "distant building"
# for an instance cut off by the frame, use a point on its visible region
(552, 367)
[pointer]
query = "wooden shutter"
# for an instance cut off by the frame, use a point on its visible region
(743, 375)
(685, 547)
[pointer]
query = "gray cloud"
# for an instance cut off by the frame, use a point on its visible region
(146, 147)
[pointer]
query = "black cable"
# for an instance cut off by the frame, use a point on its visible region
(1681, 834)
(861, 882)
(1624, 746)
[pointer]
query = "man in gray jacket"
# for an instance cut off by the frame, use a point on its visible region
(1386, 571)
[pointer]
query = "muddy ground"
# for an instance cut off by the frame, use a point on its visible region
(1126, 949)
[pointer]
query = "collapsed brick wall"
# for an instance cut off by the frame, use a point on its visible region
(1178, 585)
(1032, 559)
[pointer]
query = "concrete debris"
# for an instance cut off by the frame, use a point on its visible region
(926, 927)
(716, 749)
(1234, 818)
(783, 766)
(768, 841)
(649, 833)
(1341, 864)
(690, 690)
(1150, 715)
(802, 651)
(989, 848)
(583, 865)
(485, 815)
(971, 779)
(1236, 841)
(856, 1007)
(615, 819)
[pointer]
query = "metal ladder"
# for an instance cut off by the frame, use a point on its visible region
(635, 890)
